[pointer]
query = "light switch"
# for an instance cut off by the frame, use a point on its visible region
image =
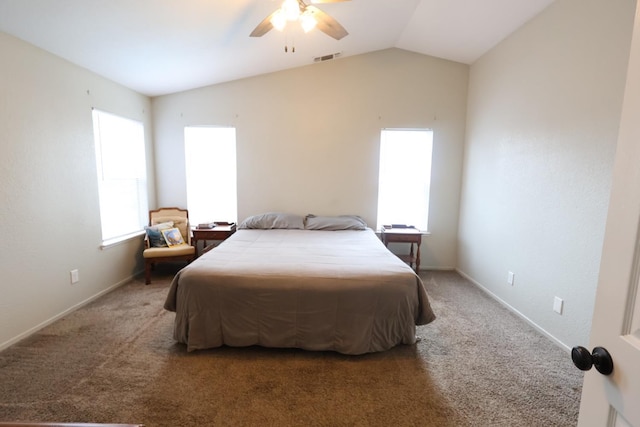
(558, 303)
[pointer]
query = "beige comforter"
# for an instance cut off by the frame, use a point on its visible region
(316, 290)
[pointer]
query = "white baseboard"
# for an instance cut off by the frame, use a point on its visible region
(516, 312)
(75, 307)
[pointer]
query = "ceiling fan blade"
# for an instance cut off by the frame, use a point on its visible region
(327, 24)
(264, 27)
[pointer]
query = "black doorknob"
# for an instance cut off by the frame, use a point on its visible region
(600, 358)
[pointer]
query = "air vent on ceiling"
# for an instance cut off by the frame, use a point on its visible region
(327, 57)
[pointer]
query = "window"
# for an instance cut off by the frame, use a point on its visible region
(210, 154)
(122, 175)
(404, 177)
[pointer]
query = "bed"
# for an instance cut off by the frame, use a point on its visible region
(315, 283)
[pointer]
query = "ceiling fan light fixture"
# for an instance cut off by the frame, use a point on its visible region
(279, 20)
(308, 22)
(291, 10)
(310, 17)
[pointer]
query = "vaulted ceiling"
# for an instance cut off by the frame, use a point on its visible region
(163, 46)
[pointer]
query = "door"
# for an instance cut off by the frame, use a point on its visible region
(614, 400)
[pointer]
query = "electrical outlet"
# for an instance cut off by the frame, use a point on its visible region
(510, 278)
(558, 304)
(74, 276)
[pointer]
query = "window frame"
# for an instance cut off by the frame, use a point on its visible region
(107, 178)
(230, 211)
(404, 166)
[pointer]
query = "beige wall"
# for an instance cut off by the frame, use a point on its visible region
(49, 214)
(543, 114)
(307, 138)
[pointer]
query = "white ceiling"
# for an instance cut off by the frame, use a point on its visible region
(163, 46)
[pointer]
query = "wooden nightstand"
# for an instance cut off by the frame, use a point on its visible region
(219, 233)
(405, 235)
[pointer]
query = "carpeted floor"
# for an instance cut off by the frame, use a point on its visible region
(115, 361)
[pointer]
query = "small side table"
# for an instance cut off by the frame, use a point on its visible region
(219, 232)
(405, 235)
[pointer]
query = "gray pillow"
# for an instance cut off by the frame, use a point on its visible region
(334, 223)
(273, 220)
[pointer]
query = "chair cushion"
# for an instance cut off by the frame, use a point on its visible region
(181, 250)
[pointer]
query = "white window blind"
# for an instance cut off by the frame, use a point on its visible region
(404, 178)
(210, 155)
(122, 176)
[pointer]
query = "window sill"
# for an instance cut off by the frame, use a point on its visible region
(109, 243)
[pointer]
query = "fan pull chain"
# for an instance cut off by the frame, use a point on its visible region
(286, 43)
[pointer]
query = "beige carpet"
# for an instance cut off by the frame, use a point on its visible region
(115, 361)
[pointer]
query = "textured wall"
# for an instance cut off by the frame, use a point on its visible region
(543, 114)
(49, 214)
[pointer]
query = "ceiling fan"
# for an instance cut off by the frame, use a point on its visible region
(309, 16)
